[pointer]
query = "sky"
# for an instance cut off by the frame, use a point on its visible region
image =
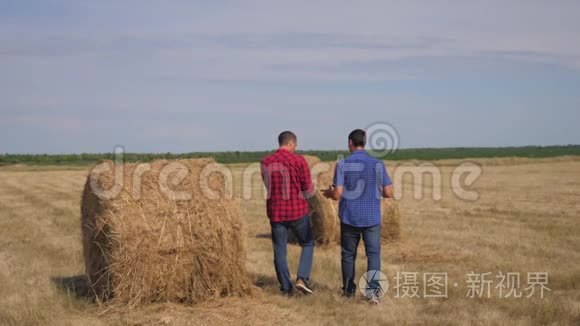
(182, 76)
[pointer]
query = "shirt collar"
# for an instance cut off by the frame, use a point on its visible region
(282, 150)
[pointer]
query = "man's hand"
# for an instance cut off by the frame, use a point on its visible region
(388, 191)
(329, 193)
(333, 192)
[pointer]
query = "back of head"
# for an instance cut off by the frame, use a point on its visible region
(358, 138)
(286, 137)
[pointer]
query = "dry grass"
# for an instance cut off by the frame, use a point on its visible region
(526, 220)
(141, 247)
(391, 221)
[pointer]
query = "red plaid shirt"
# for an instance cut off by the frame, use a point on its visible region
(287, 179)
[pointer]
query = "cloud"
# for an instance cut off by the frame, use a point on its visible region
(181, 70)
(322, 41)
(277, 57)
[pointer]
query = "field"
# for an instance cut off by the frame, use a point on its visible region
(525, 220)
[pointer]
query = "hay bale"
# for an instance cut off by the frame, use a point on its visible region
(391, 221)
(157, 248)
(324, 218)
(322, 172)
(328, 223)
(325, 179)
(323, 212)
(311, 160)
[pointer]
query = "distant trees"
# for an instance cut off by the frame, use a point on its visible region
(246, 157)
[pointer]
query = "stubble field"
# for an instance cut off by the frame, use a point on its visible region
(526, 220)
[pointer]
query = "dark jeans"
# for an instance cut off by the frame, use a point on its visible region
(349, 239)
(303, 232)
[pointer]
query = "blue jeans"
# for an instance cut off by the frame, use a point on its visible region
(303, 232)
(349, 239)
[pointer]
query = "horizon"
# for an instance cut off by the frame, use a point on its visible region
(301, 150)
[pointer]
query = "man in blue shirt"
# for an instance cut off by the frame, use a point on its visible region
(360, 183)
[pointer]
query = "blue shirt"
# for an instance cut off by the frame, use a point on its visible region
(363, 178)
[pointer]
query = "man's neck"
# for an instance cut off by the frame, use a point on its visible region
(286, 148)
(358, 149)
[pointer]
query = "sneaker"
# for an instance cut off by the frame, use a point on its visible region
(303, 287)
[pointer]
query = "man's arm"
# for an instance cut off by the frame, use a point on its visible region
(335, 191)
(263, 172)
(265, 175)
(387, 184)
(306, 180)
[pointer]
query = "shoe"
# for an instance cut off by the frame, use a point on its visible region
(350, 291)
(287, 293)
(303, 287)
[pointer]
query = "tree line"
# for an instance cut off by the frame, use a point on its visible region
(324, 155)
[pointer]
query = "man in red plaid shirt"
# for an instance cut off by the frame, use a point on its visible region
(288, 182)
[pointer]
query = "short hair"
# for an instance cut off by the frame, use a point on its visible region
(358, 137)
(286, 137)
